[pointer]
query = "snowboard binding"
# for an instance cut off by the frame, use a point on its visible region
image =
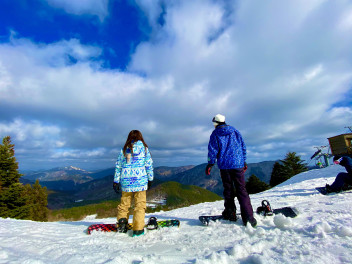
(121, 226)
(152, 223)
(265, 209)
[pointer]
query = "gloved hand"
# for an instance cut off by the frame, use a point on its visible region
(337, 159)
(245, 167)
(208, 169)
(116, 187)
(150, 183)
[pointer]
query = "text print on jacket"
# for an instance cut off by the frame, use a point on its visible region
(134, 173)
(226, 145)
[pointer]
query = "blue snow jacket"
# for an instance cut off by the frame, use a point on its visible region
(134, 173)
(227, 147)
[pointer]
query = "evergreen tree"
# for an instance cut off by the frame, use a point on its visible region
(293, 164)
(255, 185)
(290, 166)
(37, 202)
(12, 201)
(8, 164)
(17, 201)
(277, 175)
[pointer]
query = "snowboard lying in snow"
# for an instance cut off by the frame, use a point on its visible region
(286, 211)
(112, 227)
(323, 190)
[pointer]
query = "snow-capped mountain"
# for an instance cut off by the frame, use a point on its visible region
(322, 233)
(60, 174)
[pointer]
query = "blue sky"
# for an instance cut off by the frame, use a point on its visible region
(77, 76)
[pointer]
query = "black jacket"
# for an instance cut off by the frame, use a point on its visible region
(347, 163)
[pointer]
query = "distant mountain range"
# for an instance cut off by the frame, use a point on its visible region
(196, 176)
(71, 186)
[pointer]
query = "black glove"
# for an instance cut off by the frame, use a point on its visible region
(208, 169)
(150, 183)
(116, 187)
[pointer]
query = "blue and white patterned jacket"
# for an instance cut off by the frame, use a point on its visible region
(133, 174)
(227, 147)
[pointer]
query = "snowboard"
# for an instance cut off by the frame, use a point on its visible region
(286, 211)
(112, 227)
(323, 191)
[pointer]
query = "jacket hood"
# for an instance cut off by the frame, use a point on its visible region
(138, 147)
(224, 130)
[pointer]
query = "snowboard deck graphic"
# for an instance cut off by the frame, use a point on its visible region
(112, 227)
(286, 211)
(323, 190)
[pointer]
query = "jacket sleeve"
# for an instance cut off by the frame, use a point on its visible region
(244, 149)
(149, 165)
(213, 149)
(347, 163)
(118, 167)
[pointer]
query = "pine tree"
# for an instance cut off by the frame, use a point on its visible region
(293, 164)
(285, 169)
(12, 201)
(255, 185)
(8, 164)
(277, 175)
(18, 201)
(38, 202)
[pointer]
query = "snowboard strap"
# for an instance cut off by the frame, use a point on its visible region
(265, 209)
(152, 223)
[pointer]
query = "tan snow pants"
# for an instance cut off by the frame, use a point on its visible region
(140, 204)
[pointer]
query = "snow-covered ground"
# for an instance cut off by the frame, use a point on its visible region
(322, 233)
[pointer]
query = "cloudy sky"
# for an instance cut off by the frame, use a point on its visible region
(77, 76)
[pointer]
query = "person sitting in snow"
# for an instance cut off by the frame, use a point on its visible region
(133, 176)
(227, 147)
(342, 178)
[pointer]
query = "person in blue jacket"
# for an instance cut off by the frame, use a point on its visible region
(227, 148)
(342, 178)
(133, 176)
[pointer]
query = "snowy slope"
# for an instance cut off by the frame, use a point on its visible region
(322, 233)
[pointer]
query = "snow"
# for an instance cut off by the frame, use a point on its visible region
(322, 233)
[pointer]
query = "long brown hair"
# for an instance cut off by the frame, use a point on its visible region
(133, 137)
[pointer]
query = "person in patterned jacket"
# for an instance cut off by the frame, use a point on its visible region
(226, 146)
(133, 176)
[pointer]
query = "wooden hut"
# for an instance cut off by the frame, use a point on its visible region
(341, 144)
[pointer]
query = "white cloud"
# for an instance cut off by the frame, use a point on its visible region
(79, 154)
(42, 76)
(32, 135)
(81, 7)
(279, 71)
(273, 69)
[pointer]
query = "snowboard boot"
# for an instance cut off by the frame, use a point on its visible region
(122, 225)
(137, 233)
(229, 215)
(152, 223)
(328, 188)
(253, 222)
